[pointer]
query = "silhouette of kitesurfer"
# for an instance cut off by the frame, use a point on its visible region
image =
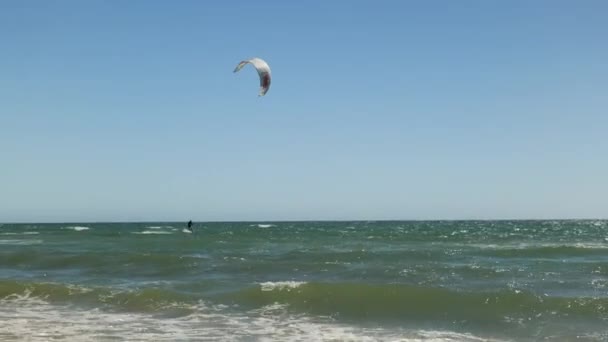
(190, 226)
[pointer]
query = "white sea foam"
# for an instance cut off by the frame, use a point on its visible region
(262, 225)
(159, 227)
(22, 233)
(280, 285)
(234, 258)
(20, 242)
(590, 245)
(27, 318)
(77, 228)
(153, 232)
(523, 246)
(198, 256)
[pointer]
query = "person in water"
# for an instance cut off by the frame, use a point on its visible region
(190, 226)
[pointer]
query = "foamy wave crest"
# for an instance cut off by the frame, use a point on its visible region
(24, 298)
(156, 232)
(263, 225)
(24, 233)
(77, 228)
(20, 242)
(159, 227)
(280, 285)
(529, 246)
(270, 323)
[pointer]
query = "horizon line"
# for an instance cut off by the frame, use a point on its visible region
(312, 220)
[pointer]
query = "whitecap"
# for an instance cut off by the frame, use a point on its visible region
(198, 256)
(590, 245)
(234, 258)
(524, 246)
(77, 228)
(23, 233)
(280, 285)
(154, 232)
(20, 242)
(159, 227)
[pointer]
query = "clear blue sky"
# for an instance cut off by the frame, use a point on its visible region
(129, 110)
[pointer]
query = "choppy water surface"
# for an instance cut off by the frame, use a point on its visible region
(306, 281)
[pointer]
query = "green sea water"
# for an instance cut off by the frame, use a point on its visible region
(305, 281)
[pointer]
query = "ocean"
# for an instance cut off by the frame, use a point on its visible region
(305, 281)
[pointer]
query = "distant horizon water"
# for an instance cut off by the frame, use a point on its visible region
(186, 219)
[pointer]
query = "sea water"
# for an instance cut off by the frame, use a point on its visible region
(305, 281)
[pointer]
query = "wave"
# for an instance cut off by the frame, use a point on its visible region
(523, 246)
(18, 242)
(338, 303)
(102, 263)
(143, 300)
(367, 301)
(215, 322)
(76, 228)
(280, 285)
(157, 232)
(159, 227)
(347, 300)
(263, 225)
(547, 250)
(21, 233)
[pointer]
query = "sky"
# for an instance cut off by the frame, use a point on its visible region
(130, 111)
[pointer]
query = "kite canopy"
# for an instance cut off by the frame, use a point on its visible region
(263, 71)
